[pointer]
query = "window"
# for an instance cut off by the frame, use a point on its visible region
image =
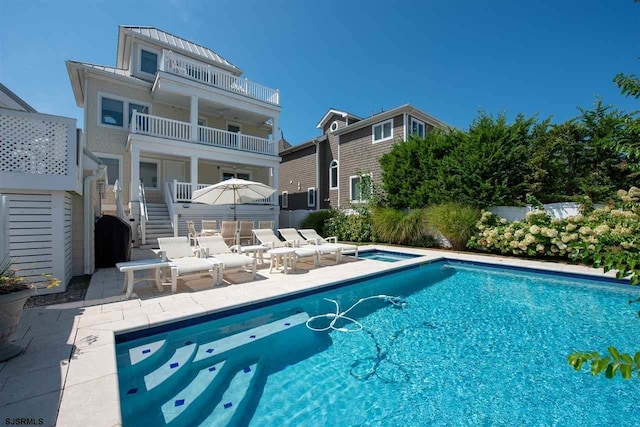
(284, 199)
(233, 128)
(333, 175)
(112, 112)
(359, 188)
(148, 61)
(383, 131)
(113, 168)
(417, 128)
(334, 126)
(311, 197)
(239, 175)
(149, 174)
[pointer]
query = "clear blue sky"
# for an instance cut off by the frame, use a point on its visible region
(449, 58)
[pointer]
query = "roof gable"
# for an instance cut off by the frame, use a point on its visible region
(333, 111)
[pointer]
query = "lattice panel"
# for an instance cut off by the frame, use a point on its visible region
(32, 145)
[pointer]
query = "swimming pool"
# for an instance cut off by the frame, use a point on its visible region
(385, 256)
(471, 345)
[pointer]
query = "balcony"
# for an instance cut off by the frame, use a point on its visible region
(146, 124)
(181, 192)
(206, 74)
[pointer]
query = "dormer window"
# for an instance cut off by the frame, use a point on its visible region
(148, 61)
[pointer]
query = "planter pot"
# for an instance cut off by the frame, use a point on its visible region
(10, 310)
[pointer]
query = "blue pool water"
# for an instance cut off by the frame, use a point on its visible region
(472, 345)
(385, 256)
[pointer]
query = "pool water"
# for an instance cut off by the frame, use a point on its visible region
(472, 345)
(385, 256)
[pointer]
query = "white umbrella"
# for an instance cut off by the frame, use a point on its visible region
(232, 192)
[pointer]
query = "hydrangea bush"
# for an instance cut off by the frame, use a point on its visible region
(607, 238)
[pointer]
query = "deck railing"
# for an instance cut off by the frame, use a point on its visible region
(182, 193)
(212, 76)
(147, 124)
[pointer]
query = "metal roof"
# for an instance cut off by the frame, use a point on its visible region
(176, 42)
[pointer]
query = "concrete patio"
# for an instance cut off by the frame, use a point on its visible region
(68, 374)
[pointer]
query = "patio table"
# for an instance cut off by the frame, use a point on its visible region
(282, 256)
(130, 267)
(256, 250)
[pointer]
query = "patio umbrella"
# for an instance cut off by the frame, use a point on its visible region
(232, 192)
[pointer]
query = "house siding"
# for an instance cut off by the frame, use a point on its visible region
(297, 174)
(359, 154)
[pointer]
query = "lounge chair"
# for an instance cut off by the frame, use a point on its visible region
(216, 249)
(312, 236)
(185, 263)
(267, 238)
(209, 227)
(228, 231)
(292, 237)
(245, 232)
(265, 224)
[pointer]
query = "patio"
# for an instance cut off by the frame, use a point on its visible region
(68, 374)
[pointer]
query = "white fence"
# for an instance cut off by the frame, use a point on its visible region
(554, 210)
(293, 219)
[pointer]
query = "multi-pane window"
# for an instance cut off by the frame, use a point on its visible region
(148, 62)
(417, 128)
(359, 188)
(333, 174)
(383, 131)
(112, 112)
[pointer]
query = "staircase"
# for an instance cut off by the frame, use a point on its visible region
(158, 225)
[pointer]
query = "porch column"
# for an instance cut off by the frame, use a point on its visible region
(194, 173)
(194, 118)
(273, 182)
(135, 174)
(274, 134)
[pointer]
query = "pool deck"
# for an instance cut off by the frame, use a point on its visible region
(68, 375)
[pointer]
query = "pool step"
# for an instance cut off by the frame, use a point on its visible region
(177, 361)
(143, 352)
(179, 403)
(232, 398)
(225, 344)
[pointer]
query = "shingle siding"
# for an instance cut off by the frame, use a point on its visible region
(297, 174)
(359, 154)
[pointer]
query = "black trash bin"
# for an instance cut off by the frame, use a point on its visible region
(112, 241)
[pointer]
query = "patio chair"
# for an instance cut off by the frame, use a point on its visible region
(265, 224)
(292, 237)
(193, 234)
(312, 236)
(185, 263)
(228, 231)
(215, 248)
(245, 231)
(267, 238)
(209, 227)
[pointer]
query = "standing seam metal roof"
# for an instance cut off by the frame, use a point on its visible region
(180, 43)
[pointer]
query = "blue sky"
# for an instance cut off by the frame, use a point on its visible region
(448, 58)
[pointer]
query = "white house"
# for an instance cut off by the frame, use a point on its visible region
(43, 166)
(172, 116)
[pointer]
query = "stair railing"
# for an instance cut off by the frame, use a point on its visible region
(117, 189)
(144, 215)
(168, 199)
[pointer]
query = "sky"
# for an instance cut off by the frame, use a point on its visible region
(450, 58)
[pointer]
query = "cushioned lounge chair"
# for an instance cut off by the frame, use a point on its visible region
(291, 236)
(185, 263)
(267, 238)
(216, 249)
(312, 236)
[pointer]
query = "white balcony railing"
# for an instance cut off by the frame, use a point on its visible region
(212, 76)
(182, 193)
(146, 124)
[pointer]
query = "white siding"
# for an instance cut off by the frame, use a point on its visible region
(68, 227)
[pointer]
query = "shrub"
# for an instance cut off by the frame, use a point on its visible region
(456, 222)
(352, 227)
(394, 226)
(317, 220)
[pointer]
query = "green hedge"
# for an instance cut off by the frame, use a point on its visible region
(317, 221)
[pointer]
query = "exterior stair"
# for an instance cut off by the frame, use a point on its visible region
(158, 224)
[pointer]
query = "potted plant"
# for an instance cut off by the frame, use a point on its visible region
(14, 292)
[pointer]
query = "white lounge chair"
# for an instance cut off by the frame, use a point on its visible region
(216, 249)
(267, 238)
(312, 236)
(291, 236)
(184, 262)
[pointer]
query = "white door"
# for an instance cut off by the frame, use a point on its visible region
(174, 170)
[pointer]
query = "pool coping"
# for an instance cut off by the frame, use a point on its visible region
(92, 369)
